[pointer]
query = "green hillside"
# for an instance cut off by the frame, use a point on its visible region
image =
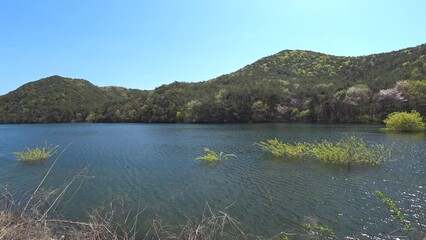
(298, 86)
(290, 86)
(58, 99)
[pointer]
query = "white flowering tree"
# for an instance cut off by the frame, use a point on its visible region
(357, 102)
(390, 100)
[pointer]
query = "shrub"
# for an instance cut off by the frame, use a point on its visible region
(348, 151)
(36, 154)
(404, 122)
(286, 150)
(212, 156)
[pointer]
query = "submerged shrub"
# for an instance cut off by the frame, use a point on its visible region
(213, 156)
(404, 122)
(348, 151)
(285, 150)
(36, 154)
(394, 210)
(318, 231)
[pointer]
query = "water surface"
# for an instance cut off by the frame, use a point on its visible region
(154, 166)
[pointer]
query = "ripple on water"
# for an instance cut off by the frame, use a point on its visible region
(155, 166)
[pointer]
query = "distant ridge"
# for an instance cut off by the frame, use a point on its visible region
(58, 99)
(290, 86)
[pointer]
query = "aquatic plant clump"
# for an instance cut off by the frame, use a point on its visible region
(212, 156)
(404, 122)
(348, 151)
(394, 210)
(318, 231)
(36, 154)
(286, 150)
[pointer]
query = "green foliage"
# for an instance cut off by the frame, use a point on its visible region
(295, 151)
(179, 116)
(318, 230)
(326, 230)
(348, 151)
(94, 117)
(298, 86)
(404, 122)
(394, 210)
(259, 111)
(36, 154)
(212, 156)
(415, 94)
(274, 146)
(58, 99)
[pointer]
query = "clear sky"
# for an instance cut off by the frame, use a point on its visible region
(143, 44)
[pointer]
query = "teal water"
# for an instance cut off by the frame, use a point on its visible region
(154, 166)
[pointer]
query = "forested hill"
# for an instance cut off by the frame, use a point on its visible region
(290, 86)
(58, 99)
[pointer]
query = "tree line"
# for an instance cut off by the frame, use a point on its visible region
(290, 86)
(270, 103)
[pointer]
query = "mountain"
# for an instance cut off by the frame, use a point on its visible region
(290, 86)
(59, 99)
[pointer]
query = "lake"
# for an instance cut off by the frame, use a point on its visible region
(154, 166)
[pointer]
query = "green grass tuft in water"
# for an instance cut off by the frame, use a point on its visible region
(394, 210)
(348, 151)
(286, 150)
(36, 154)
(212, 156)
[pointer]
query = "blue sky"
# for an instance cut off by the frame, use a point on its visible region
(143, 44)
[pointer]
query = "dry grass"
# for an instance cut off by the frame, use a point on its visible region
(114, 221)
(211, 226)
(32, 219)
(108, 222)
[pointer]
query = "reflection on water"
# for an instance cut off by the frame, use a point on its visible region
(154, 164)
(397, 135)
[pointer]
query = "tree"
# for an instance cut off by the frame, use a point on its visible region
(415, 93)
(390, 100)
(357, 101)
(259, 111)
(192, 111)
